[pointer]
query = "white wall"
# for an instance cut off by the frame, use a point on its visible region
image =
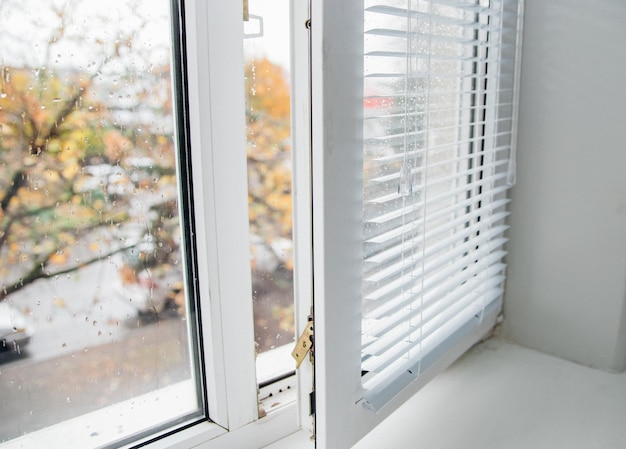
(566, 290)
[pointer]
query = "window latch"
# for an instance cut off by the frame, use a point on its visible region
(304, 343)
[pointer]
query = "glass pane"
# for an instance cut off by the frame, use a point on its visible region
(95, 318)
(266, 67)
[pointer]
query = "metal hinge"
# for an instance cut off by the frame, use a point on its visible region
(304, 343)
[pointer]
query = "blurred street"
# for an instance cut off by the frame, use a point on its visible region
(45, 390)
(90, 349)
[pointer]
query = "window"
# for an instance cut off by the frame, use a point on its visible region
(169, 125)
(95, 223)
(411, 149)
(401, 135)
(268, 149)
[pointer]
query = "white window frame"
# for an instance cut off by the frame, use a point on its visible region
(214, 56)
(214, 31)
(337, 68)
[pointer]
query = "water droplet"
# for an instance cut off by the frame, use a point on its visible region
(68, 400)
(3, 94)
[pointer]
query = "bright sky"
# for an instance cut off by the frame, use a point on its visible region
(90, 25)
(275, 41)
(30, 27)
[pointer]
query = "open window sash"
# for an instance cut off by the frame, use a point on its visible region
(445, 127)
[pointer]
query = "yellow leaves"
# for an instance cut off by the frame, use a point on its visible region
(127, 275)
(280, 201)
(252, 212)
(268, 150)
(66, 238)
(167, 180)
(54, 124)
(29, 196)
(116, 145)
(59, 258)
(285, 316)
(271, 92)
(68, 151)
(46, 246)
(52, 176)
(71, 169)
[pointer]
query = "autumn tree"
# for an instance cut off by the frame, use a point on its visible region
(76, 106)
(268, 151)
(270, 202)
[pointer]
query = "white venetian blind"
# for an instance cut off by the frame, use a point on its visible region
(438, 119)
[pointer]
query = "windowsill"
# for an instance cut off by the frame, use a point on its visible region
(298, 440)
(501, 395)
(275, 363)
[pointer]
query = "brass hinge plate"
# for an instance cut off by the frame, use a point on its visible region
(246, 11)
(304, 343)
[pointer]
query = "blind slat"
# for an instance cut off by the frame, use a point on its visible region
(384, 328)
(384, 350)
(400, 140)
(408, 228)
(471, 291)
(394, 177)
(377, 276)
(411, 207)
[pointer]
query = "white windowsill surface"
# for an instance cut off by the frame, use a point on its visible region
(500, 396)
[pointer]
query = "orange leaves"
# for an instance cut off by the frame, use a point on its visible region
(267, 87)
(128, 276)
(116, 145)
(58, 258)
(269, 160)
(71, 169)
